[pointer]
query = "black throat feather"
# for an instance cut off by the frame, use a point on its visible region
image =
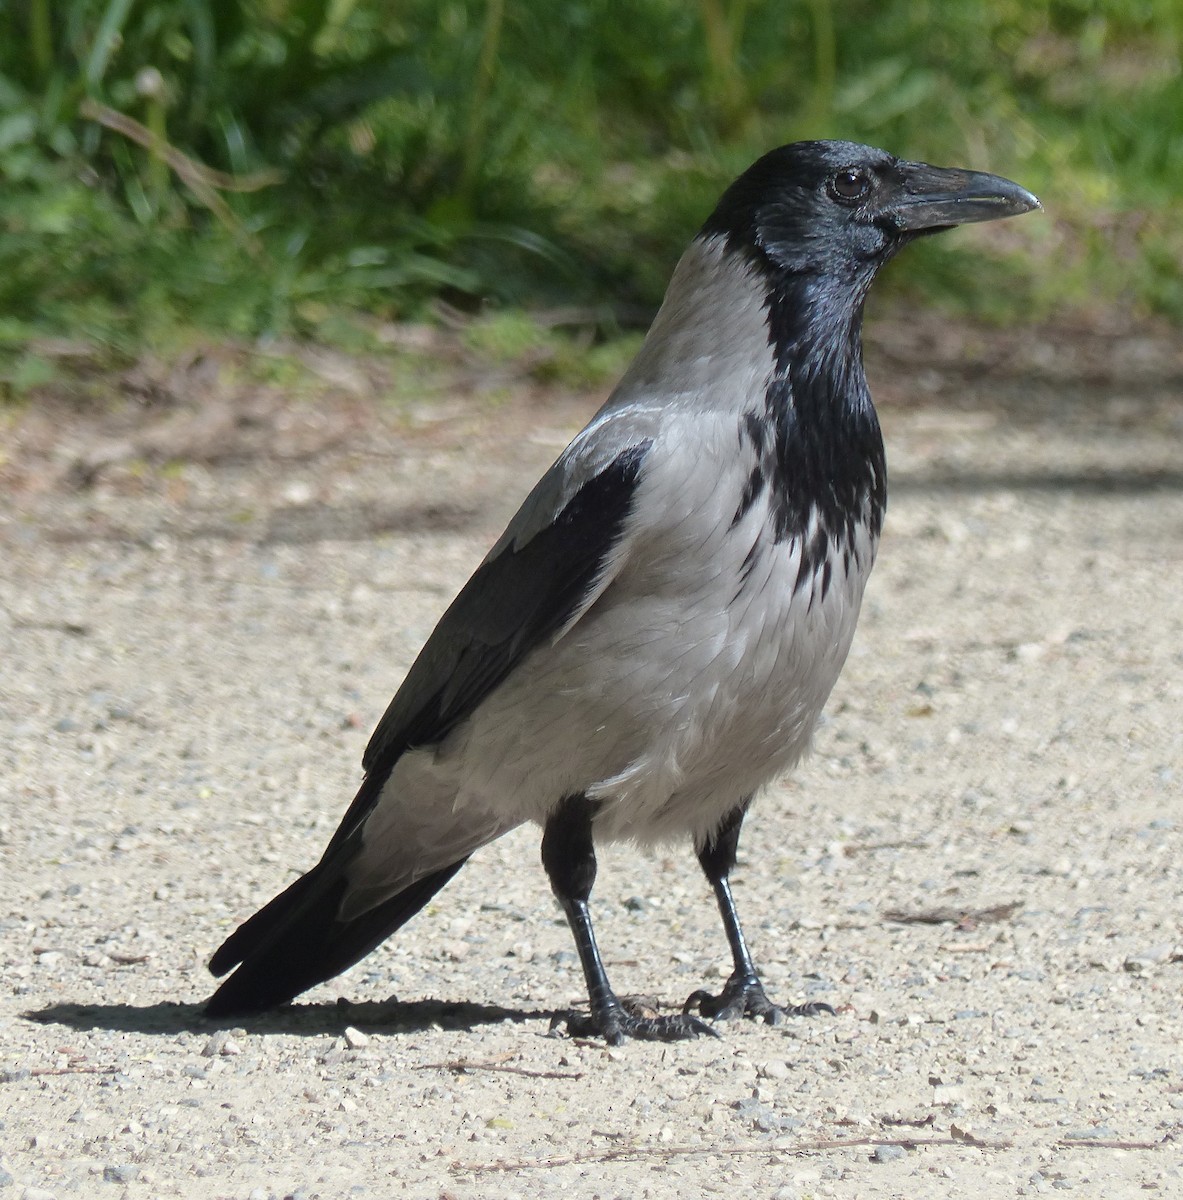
(818, 447)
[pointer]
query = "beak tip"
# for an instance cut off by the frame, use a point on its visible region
(1029, 202)
(1016, 200)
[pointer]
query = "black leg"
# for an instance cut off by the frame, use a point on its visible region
(743, 993)
(570, 862)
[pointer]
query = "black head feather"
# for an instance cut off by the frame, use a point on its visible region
(817, 220)
(841, 210)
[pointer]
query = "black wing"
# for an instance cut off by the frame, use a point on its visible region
(523, 593)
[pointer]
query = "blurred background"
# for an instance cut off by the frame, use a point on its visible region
(183, 171)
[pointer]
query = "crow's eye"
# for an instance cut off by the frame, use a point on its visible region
(850, 184)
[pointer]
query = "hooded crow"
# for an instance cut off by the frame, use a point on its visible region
(653, 637)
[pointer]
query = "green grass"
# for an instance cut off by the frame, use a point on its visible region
(282, 168)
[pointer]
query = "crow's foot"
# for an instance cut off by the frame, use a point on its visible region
(616, 1024)
(743, 996)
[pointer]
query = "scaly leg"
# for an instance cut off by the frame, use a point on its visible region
(743, 993)
(570, 862)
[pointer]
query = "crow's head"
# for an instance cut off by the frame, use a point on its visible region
(840, 210)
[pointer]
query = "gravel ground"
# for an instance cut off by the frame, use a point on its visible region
(979, 868)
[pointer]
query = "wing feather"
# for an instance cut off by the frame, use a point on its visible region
(532, 586)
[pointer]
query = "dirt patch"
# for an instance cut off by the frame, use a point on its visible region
(979, 867)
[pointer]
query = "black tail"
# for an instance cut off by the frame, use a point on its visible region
(297, 940)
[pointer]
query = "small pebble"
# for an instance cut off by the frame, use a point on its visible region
(1098, 1132)
(1149, 957)
(763, 1117)
(355, 1039)
(885, 1154)
(122, 1173)
(213, 1047)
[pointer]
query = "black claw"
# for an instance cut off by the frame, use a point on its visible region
(616, 1026)
(744, 997)
(815, 1008)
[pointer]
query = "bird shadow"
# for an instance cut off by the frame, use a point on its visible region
(306, 1020)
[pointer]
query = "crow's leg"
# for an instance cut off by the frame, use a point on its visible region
(570, 861)
(743, 993)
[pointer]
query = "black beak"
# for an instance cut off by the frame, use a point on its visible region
(932, 198)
